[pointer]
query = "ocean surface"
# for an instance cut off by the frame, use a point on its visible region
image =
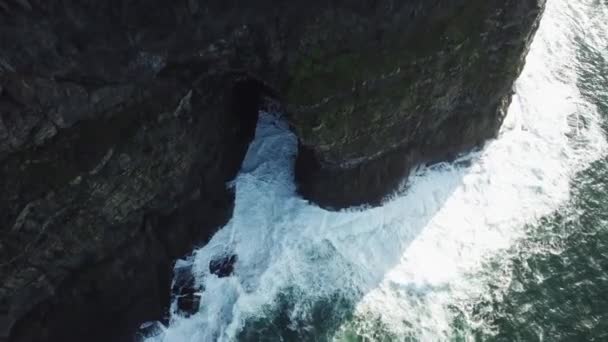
(507, 243)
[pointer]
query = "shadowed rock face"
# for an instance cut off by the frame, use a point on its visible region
(116, 141)
(121, 122)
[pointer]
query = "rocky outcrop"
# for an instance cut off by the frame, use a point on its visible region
(121, 122)
(382, 89)
(185, 291)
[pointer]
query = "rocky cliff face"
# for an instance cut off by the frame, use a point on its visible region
(121, 122)
(377, 91)
(115, 147)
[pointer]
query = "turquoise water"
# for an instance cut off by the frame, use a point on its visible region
(508, 243)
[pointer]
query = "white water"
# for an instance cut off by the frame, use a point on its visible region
(414, 257)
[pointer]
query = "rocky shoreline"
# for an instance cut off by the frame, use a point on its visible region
(121, 123)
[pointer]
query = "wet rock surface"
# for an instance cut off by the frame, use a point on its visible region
(121, 122)
(147, 330)
(223, 267)
(186, 291)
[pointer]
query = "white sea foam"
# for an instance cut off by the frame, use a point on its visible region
(412, 258)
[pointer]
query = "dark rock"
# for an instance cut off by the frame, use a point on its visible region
(121, 122)
(147, 330)
(382, 90)
(185, 291)
(188, 303)
(113, 163)
(223, 267)
(183, 279)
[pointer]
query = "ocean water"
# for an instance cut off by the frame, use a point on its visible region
(507, 243)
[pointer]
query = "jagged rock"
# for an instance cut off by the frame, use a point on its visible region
(147, 330)
(223, 267)
(120, 123)
(185, 290)
(188, 303)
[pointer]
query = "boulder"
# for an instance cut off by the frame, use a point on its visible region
(223, 266)
(185, 291)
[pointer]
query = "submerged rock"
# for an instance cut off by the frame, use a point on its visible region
(121, 122)
(185, 291)
(148, 330)
(223, 267)
(188, 303)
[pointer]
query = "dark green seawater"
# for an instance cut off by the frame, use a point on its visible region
(560, 271)
(559, 289)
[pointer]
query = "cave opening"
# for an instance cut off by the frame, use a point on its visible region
(248, 97)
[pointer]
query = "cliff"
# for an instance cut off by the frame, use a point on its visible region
(121, 122)
(378, 91)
